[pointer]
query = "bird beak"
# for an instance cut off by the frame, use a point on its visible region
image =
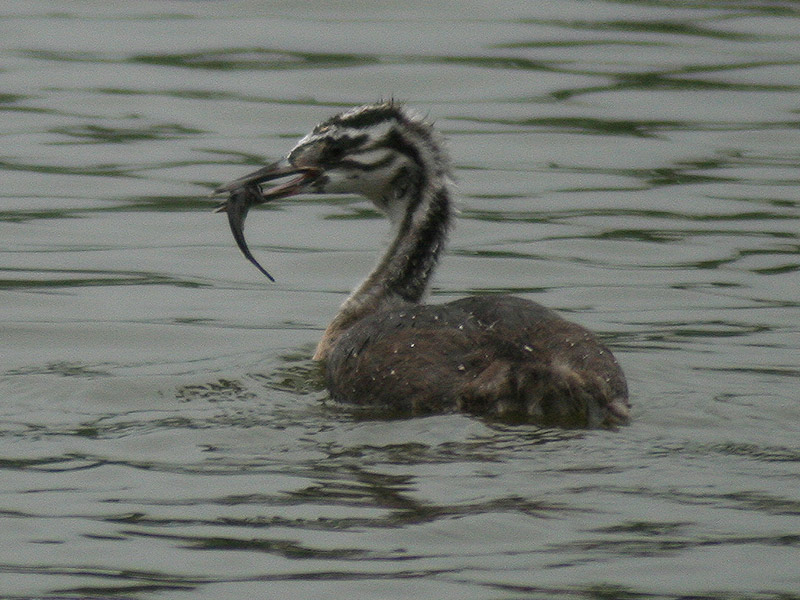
(277, 170)
(246, 192)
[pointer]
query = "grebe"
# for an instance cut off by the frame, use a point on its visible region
(491, 355)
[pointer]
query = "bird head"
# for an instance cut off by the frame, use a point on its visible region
(382, 152)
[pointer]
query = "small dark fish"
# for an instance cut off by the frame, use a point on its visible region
(246, 192)
(237, 205)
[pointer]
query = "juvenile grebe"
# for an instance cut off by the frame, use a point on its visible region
(493, 355)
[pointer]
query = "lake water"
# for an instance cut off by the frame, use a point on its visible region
(163, 433)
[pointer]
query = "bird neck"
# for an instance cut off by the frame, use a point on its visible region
(403, 274)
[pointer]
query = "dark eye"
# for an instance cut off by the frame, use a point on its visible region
(334, 153)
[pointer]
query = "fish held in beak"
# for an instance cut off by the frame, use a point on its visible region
(246, 192)
(237, 206)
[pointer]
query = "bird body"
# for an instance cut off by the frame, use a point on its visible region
(494, 355)
(501, 356)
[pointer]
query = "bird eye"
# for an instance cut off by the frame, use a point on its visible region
(333, 153)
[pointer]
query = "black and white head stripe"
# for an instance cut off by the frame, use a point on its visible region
(364, 117)
(358, 139)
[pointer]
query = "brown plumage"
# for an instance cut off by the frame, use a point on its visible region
(492, 355)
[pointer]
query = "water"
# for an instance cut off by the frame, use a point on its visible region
(162, 431)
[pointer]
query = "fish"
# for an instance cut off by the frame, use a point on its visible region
(237, 206)
(246, 192)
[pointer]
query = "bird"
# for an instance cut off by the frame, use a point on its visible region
(495, 356)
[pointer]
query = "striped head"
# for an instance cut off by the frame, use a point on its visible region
(380, 151)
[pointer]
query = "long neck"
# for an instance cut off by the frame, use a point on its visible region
(404, 272)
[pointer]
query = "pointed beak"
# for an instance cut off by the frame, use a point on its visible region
(246, 192)
(277, 170)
